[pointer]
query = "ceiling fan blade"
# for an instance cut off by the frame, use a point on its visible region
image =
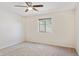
(35, 9)
(26, 10)
(19, 6)
(29, 4)
(37, 5)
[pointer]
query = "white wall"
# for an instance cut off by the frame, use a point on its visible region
(62, 29)
(77, 29)
(10, 29)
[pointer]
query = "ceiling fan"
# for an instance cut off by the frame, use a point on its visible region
(29, 6)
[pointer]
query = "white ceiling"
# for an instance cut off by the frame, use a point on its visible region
(48, 7)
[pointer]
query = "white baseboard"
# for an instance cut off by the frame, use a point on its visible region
(54, 43)
(10, 45)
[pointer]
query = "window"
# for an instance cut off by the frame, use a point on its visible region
(45, 25)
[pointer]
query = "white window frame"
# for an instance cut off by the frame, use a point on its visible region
(45, 25)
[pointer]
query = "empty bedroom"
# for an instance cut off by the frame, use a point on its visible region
(39, 28)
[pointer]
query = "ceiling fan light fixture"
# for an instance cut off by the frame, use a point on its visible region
(30, 8)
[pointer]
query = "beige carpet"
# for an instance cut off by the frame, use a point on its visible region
(33, 49)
